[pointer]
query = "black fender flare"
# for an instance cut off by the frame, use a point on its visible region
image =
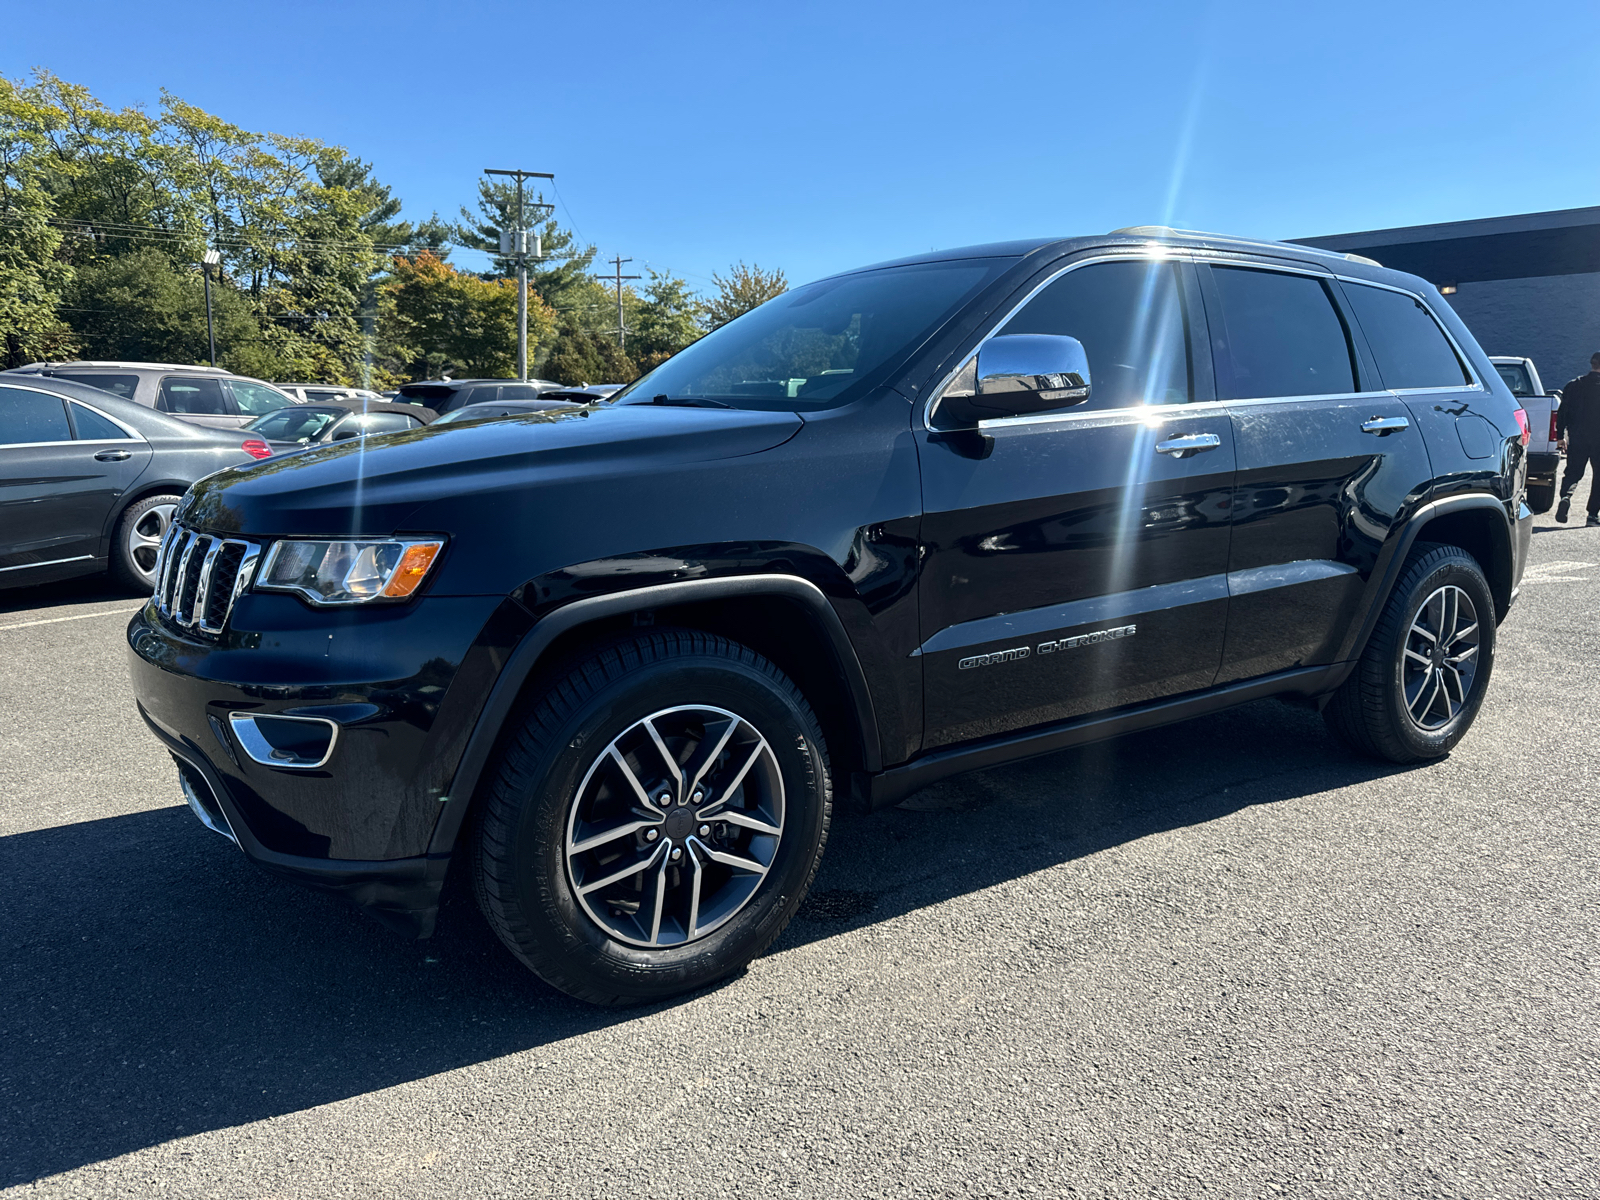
(526, 656)
(1389, 572)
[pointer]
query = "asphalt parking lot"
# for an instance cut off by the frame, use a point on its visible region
(1221, 959)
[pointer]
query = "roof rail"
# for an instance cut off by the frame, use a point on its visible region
(1169, 232)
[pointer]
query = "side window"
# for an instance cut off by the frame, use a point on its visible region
(519, 391)
(1277, 335)
(1412, 351)
(384, 422)
(196, 396)
(32, 417)
(483, 395)
(1129, 317)
(92, 427)
(118, 385)
(257, 399)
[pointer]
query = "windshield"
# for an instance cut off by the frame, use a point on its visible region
(292, 424)
(1516, 377)
(821, 345)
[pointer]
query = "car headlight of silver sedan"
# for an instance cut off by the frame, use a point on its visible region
(355, 571)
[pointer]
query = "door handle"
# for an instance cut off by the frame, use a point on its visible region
(113, 456)
(1187, 444)
(1384, 426)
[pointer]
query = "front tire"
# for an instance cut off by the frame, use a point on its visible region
(656, 820)
(1425, 670)
(137, 541)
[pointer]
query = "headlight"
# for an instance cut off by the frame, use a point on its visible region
(349, 572)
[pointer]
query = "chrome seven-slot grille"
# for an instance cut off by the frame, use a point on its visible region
(199, 576)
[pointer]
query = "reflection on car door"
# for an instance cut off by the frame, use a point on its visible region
(1081, 565)
(1327, 459)
(57, 492)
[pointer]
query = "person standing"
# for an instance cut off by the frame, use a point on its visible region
(1578, 434)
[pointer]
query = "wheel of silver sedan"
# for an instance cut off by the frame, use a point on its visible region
(144, 536)
(675, 825)
(1440, 658)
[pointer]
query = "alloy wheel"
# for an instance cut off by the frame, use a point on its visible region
(1440, 659)
(144, 538)
(674, 826)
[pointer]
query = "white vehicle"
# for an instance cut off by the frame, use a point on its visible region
(317, 393)
(1544, 460)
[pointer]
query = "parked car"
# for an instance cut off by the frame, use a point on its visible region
(447, 395)
(503, 408)
(202, 395)
(304, 425)
(1544, 459)
(89, 481)
(589, 393)
(938, 514)
(308, 393)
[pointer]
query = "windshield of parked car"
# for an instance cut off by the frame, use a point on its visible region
(821, 345)
(1516, 377)
(297, 423)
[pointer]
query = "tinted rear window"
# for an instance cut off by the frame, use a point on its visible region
(32, 417)
(1277, 335)
(117, 385)
(1411, 349)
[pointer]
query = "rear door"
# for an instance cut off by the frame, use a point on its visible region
(202, 399)
(1329, 462)
(58, 492)
(1076, 561)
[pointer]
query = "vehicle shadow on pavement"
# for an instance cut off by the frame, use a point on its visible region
(157, 985)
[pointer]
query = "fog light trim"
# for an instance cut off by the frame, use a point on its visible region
(255, 744)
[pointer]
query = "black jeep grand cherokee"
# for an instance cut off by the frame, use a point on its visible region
(932, 515)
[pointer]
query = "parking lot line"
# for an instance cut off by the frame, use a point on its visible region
(121, 612)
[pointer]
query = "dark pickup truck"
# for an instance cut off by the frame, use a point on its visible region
(616, 662)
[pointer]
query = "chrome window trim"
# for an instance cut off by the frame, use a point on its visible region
(122, 425)
(254, 743)
(1193, 256)
(54, 562)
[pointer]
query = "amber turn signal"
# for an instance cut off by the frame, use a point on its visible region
(413, 568)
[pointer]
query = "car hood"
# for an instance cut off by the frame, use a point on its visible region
(374, 485)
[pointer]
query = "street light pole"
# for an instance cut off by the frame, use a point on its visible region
(210, 258)
(519, 249)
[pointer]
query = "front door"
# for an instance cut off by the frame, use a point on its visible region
(1328, 461)
(57, 491)
(1077, 561)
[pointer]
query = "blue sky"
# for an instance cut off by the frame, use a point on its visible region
(819, 136)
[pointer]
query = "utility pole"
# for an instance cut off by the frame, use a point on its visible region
(622, 333)
(206, 261)
(516, 247)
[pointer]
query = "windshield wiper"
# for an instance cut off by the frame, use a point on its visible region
(667, 401)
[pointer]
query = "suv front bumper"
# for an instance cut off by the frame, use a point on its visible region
(399, 690)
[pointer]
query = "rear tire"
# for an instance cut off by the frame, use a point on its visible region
(1541, 497)
(1422, 678)
(138, 539)
(680, 753)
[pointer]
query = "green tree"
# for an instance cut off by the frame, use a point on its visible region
(33, 274)
(139, 306)
(581, 356)
(743, 289)
(453, 322)
(563, 267)
(666, 319)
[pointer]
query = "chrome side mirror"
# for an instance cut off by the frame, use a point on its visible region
(1015, 374)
